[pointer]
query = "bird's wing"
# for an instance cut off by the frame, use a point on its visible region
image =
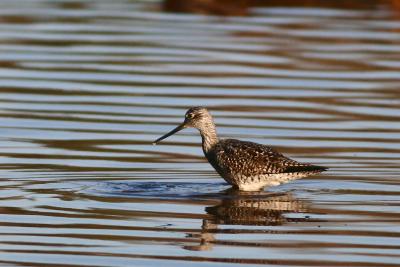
(248, 158)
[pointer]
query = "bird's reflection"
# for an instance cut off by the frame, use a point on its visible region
(255, 208)
(247, 208)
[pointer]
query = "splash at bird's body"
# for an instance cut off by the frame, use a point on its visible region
(245, 165)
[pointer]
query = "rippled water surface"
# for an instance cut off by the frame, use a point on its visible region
(86, 86)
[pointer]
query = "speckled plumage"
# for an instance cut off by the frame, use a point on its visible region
(250, 165)
(245, 165)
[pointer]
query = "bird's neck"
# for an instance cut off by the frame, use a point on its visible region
(209, 137)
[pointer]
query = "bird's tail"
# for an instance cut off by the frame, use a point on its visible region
(305, 168)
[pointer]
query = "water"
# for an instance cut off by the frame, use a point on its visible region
(86, 86)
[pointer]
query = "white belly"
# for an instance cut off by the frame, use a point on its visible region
(259, 182)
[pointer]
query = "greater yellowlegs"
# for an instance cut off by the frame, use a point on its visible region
(245, 165)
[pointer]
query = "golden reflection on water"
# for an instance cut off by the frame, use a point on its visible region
(242, 7)
(85, 86)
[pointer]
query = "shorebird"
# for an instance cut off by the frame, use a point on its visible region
(245, 165)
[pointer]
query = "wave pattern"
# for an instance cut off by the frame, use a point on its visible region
(86, 86)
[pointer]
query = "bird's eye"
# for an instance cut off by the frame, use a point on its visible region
(190, 116)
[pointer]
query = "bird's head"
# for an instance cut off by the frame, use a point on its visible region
(195, 117)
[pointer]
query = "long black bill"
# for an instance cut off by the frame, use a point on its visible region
(177, 129)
